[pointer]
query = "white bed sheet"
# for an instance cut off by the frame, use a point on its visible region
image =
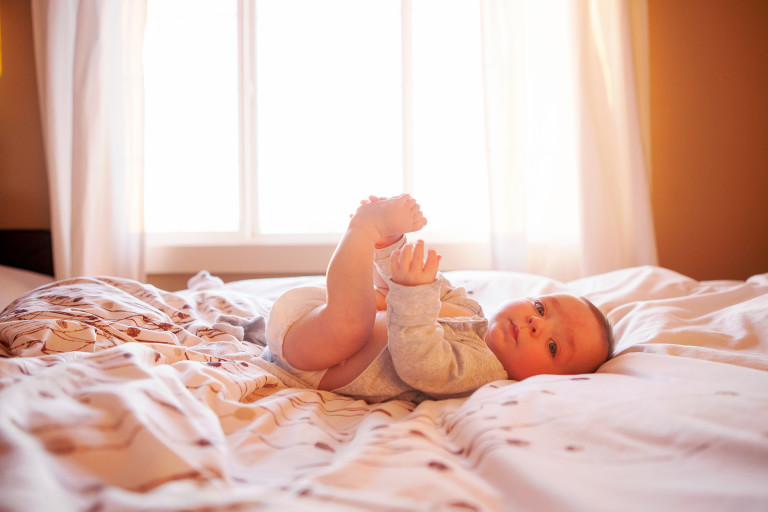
(160, 410)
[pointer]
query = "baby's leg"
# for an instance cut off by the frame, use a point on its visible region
(335, 331)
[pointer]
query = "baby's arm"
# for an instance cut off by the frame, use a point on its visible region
(422, 355)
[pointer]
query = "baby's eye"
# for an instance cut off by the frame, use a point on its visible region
(539, 307)
(552, 347)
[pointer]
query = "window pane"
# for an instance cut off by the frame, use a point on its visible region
(191, 136)
(450, 178)
(329, 110)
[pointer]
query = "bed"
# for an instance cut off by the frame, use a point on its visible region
(116, 395)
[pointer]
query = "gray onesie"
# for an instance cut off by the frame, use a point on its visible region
(425, 354)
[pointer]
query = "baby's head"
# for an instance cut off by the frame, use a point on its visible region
(558, 334)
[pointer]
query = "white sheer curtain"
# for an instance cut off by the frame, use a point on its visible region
(88, 57)
(568, 184)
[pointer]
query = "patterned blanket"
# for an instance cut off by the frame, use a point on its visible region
(115, 395)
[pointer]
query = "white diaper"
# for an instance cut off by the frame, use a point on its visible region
(287, 309)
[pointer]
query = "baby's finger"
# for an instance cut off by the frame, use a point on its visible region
(433, 262)
(406, 256)
(394, 262)
(418, 256)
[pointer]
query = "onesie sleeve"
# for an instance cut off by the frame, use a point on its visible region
(422, 355)
(382, 258)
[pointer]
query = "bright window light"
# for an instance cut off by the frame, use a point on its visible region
(450, 177)
(329, 110)
(343, 98)
(551, 134)
(192, 171)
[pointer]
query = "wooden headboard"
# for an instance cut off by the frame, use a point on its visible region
(27, 249)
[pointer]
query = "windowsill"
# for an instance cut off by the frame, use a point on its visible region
(283, 255)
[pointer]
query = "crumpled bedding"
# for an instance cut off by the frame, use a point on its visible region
(115, 395)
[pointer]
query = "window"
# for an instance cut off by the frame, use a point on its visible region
(192, 174)
(267, 121)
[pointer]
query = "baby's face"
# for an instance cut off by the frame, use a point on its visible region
(556, 334)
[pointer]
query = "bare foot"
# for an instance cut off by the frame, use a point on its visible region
(388, 219)
(387, 240)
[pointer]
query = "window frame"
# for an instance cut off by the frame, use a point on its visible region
(248, 252)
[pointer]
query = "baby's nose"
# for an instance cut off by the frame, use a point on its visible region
(534, 325)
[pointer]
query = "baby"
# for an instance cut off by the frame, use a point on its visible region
(388, 325)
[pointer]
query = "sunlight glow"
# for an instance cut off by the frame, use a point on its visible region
(329, 110)
(192, 174)
(450, 176)
(330, 104)
(551, 136)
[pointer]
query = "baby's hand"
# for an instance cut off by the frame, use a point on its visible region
(409, 268)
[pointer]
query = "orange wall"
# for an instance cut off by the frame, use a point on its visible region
(709, 135)
(23, 184)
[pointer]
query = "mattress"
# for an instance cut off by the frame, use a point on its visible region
(116, 395)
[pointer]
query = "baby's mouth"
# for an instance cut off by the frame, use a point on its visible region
(513, 330)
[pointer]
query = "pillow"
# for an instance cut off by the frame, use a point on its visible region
(15, 282)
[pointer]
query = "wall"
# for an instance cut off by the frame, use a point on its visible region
(709, 135)
(23, 184)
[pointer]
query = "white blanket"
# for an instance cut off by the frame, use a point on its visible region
(117, 396)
